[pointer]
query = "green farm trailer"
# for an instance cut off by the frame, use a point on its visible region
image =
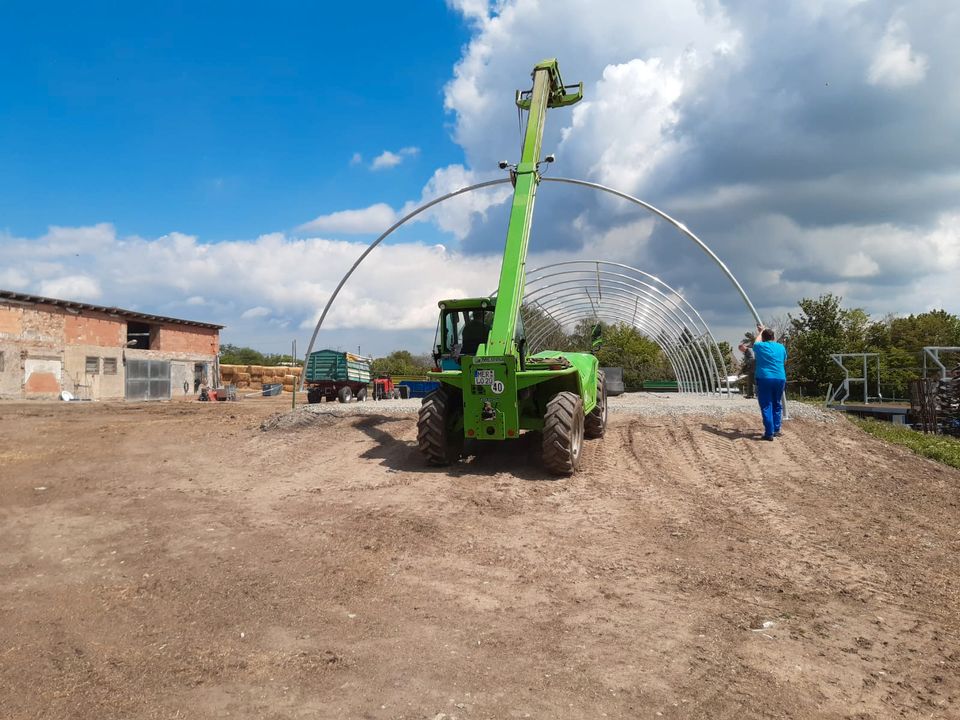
(333, 374)
(491, 390)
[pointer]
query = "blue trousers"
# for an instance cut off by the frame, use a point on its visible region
(770, 397)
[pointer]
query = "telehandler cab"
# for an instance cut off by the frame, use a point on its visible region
(490, 389)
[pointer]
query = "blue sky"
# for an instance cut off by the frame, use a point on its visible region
(229, 162)
(225, 120)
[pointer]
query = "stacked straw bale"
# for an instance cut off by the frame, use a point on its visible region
(256, 376)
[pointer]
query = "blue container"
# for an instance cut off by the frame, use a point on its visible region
(270, 389)
(420, 388)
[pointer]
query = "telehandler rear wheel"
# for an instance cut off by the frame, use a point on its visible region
(596, 422)
(563, 433)
(440, 427)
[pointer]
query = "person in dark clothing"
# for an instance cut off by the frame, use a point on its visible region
(475, 333)
(747, 369)
(771, 378)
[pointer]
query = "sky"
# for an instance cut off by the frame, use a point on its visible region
(228, 163)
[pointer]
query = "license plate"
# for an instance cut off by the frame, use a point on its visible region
(483, 377)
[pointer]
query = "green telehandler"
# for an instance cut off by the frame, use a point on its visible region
(490, 388)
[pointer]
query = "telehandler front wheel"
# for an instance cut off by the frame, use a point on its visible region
(563, 433)
(595, 423)
(440, 427)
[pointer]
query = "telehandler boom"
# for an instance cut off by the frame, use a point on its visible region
(490, 389)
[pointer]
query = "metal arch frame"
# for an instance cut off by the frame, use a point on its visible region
(670, 325)
(676, 223)
(672, 291)
(680, 354)
(673, 301)
(659, 329)
(491, 183)
(383, 236)
(683, 367)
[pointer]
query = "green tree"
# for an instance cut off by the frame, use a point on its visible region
(823, 327)
(401, 362)
(234, 355)
(625, 347)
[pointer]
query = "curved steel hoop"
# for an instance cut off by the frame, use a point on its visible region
(570, 181)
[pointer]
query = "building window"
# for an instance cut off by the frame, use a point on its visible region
(92, 366)
(109, 366)
(138, 335)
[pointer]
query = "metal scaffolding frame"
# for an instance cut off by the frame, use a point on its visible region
(933, 352)
(833, 396)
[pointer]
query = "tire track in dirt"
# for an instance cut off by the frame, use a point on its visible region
(812, 563)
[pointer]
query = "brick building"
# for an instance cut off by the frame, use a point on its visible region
(48, 346)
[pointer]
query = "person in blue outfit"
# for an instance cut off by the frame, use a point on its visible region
(771, 379)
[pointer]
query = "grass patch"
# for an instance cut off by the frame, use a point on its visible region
(936, 447)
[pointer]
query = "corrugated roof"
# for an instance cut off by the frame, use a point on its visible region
(19, 298)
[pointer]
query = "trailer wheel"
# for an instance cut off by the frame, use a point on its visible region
(361, 394)
(595, 423)
(563, 433)
(345, 394)
(440, 427)
(314, 395)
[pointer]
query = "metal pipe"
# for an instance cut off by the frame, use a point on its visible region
(676, 223)
(375, 243)
(656, 279)
(560, 287)
(681, 368)
(672, 322)
(660, 324)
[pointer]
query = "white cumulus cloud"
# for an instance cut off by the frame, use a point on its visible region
(895, 63)
(373, 219)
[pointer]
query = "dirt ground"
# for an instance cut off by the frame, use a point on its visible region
(177, 561)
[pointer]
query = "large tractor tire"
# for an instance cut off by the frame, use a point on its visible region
(314, 395)
(563, 433)
(361, 394)
(345, 395)
(439, 430)
(595, 424)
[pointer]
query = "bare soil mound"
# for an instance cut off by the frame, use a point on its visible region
(175, 560)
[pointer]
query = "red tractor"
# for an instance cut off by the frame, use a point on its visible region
(384, 389)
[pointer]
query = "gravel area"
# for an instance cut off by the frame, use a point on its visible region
(640, 403)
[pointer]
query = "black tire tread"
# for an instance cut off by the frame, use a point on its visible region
(564, 411)
(432, 423)
(595, 424)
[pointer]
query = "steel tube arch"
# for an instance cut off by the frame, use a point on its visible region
(386, 233)
(653, 278)
(656, 296)
(682, 368)
(676, 223)
(490, 183)
(681, 364)
(675, 326)
(667, 324)
(656, 328)
(692, 376)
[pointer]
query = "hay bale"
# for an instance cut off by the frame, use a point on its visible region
(243, 377)
(288, 388)
(289, 379)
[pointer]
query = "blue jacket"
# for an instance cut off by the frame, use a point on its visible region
(770, 357)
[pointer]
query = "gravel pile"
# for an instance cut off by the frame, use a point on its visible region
(642, 403)
(657, 404)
